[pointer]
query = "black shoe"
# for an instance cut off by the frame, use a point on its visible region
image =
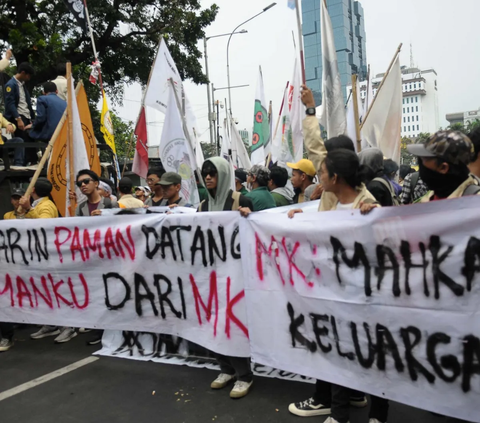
(308, 408)
(96, 338)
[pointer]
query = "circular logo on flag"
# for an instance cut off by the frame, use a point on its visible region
(259, 117)
(255, 138)
(8, 89)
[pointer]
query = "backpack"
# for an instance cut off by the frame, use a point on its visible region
(472, 189)
(395, 200)
(414, 181)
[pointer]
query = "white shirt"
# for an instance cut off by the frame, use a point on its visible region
(22, 107)
(341, 206)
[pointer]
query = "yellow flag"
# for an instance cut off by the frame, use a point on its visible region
(57, 166)
(106, 125)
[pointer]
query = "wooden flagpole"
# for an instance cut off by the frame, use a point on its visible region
(355, 112)
(381, 84)
(70, 149)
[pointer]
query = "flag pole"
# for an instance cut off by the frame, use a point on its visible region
(280, 113)
(130, 143)
(71, 161)
(355, 112)
(381, 84)
(300, 39)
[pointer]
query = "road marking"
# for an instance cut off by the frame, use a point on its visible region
(45, 378)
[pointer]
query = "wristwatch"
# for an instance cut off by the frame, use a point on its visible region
(311, 111)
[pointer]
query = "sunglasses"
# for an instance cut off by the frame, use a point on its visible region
(212, 173)
(85, 181)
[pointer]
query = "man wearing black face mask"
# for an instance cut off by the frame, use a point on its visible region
(443, 165)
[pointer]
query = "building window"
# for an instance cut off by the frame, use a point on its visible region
(404, 129)
(403, 101)
(415, 86)
(408, 109)
(409, 118)
(418, 127)
(416, 99)
(409, 129)
(417, 108)
(404, 110)
(417, 118)
(404, 119)
(408, 100)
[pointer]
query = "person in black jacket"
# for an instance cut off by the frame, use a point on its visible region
(376, 182)
(217, 175)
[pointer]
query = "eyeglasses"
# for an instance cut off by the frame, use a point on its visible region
(212, 173)
(153, 180)
(85, 181)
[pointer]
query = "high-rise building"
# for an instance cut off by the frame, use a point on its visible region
(420, 100)
(350, 41)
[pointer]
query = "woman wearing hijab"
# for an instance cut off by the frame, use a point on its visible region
(217, 175)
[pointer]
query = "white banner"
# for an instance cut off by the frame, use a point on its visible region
(174, 274)
(387, 303)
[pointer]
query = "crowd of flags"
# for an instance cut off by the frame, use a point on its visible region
(378, 121)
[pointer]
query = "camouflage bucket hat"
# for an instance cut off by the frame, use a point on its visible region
(452, 146)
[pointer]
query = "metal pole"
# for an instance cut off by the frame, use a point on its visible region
(228, 56)
(218, 128)
(210, 126)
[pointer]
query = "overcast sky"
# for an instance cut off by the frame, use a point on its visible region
(442, 33)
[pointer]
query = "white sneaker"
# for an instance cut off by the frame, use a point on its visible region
(308, 408)
(240, 389)
(5, 344)
(84, 330)
(66, 335)
(374, 421)
(221, 381)
(331, 420)
(45, 331)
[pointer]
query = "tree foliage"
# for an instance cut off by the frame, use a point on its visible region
(405, 156)
(466, 129)
(126, 32)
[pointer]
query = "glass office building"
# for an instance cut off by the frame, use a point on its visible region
(350, 41)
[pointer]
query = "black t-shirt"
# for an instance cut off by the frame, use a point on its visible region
(381, 193)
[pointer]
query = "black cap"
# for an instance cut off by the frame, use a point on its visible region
(18, 192)
(125, 183)
(241, 175)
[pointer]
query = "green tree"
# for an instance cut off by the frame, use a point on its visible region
(127, 33)
(405, 156)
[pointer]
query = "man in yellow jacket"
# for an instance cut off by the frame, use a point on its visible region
(42, 207)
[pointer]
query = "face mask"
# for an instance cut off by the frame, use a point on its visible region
(442, 184)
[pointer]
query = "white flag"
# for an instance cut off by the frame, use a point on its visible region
(382, 128)
(80, 158)
(240, 157)
(261, 127)
(176, 153)
(158, 93)
(226, 147)
(368, 96)
(297, 112)
(332, 115)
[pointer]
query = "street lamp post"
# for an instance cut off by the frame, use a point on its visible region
(228, 46)
(210, 113)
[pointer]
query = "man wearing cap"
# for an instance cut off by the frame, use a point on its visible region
(42, 207)
(443, 165)
(257, 180)
(15, 201)
(127, 200)
(171, 183)
(240, 181)
(302, 177)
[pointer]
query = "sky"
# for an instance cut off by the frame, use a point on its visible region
(442, 34)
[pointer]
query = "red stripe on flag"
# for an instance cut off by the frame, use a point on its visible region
(140, 161)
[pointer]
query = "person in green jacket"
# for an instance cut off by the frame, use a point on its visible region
(240, 181)
(281, 193)
(257, 180)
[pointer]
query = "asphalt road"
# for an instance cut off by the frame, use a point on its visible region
(113, 390)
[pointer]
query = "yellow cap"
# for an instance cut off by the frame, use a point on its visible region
(305, 166)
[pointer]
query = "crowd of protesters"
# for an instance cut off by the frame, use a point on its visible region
(448, 167)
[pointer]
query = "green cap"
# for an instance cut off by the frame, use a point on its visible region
(170, 178)
(452, 146)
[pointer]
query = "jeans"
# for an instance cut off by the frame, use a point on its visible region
(336, 397)
(238, 366)
(19, 156)
(379, 409)
(6, 331)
